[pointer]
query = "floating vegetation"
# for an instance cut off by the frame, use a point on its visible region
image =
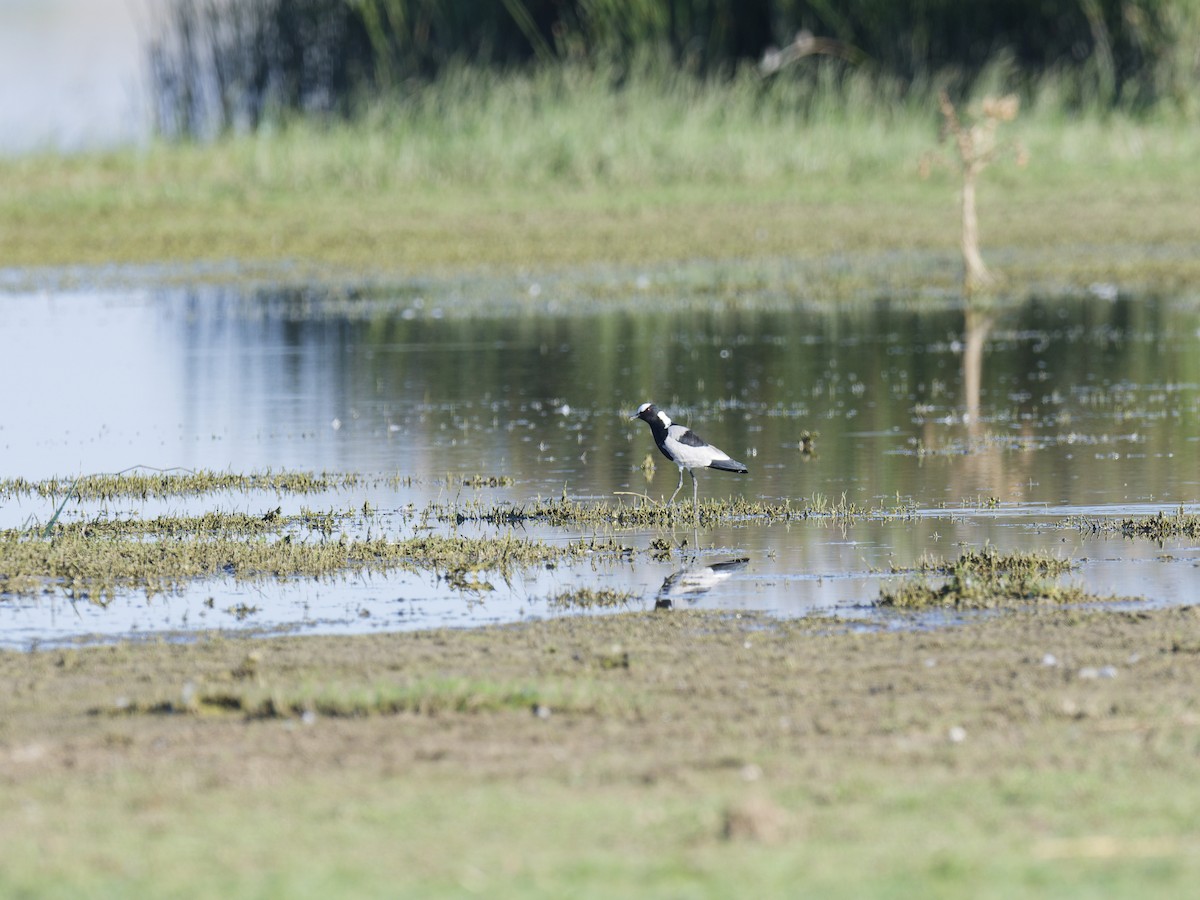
(1158, 527)
(984, 579)
(648, 514)
(590, 598)
(209, 524)
(147, 483)
(94, 565)
(1161, 526)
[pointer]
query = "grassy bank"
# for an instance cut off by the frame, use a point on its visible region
(551, 170)
(685, 754)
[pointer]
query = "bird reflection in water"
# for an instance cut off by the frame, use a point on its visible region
(692, 582)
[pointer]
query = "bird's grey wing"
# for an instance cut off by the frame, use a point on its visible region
(686, 436)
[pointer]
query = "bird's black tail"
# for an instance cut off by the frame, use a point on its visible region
(729, 465)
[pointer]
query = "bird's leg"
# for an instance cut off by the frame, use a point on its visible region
(672, 500)
(695, 493)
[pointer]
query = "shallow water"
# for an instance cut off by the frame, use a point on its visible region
(979, 431)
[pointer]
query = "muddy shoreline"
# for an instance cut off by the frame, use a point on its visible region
(711, 686)
(1049, 746)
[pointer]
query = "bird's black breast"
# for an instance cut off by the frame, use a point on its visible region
(658, 429)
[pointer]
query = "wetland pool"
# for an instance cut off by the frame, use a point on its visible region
(952, 430)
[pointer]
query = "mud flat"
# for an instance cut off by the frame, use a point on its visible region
(1043, 748)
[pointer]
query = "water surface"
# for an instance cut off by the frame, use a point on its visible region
(979, 429)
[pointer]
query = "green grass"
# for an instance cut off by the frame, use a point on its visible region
(867, 837)
(557, 169)
(422, 696)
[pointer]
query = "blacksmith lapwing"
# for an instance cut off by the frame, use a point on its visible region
(685, 448)
(695, 581)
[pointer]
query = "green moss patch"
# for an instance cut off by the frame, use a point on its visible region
(984, 579)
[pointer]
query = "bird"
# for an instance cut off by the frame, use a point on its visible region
(685, 448)
(696, 580)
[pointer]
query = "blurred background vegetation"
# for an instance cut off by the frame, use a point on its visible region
(235, 65)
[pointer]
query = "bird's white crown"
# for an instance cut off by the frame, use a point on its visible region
(662, 416)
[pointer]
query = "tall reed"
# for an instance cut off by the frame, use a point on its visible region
(220, 65)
